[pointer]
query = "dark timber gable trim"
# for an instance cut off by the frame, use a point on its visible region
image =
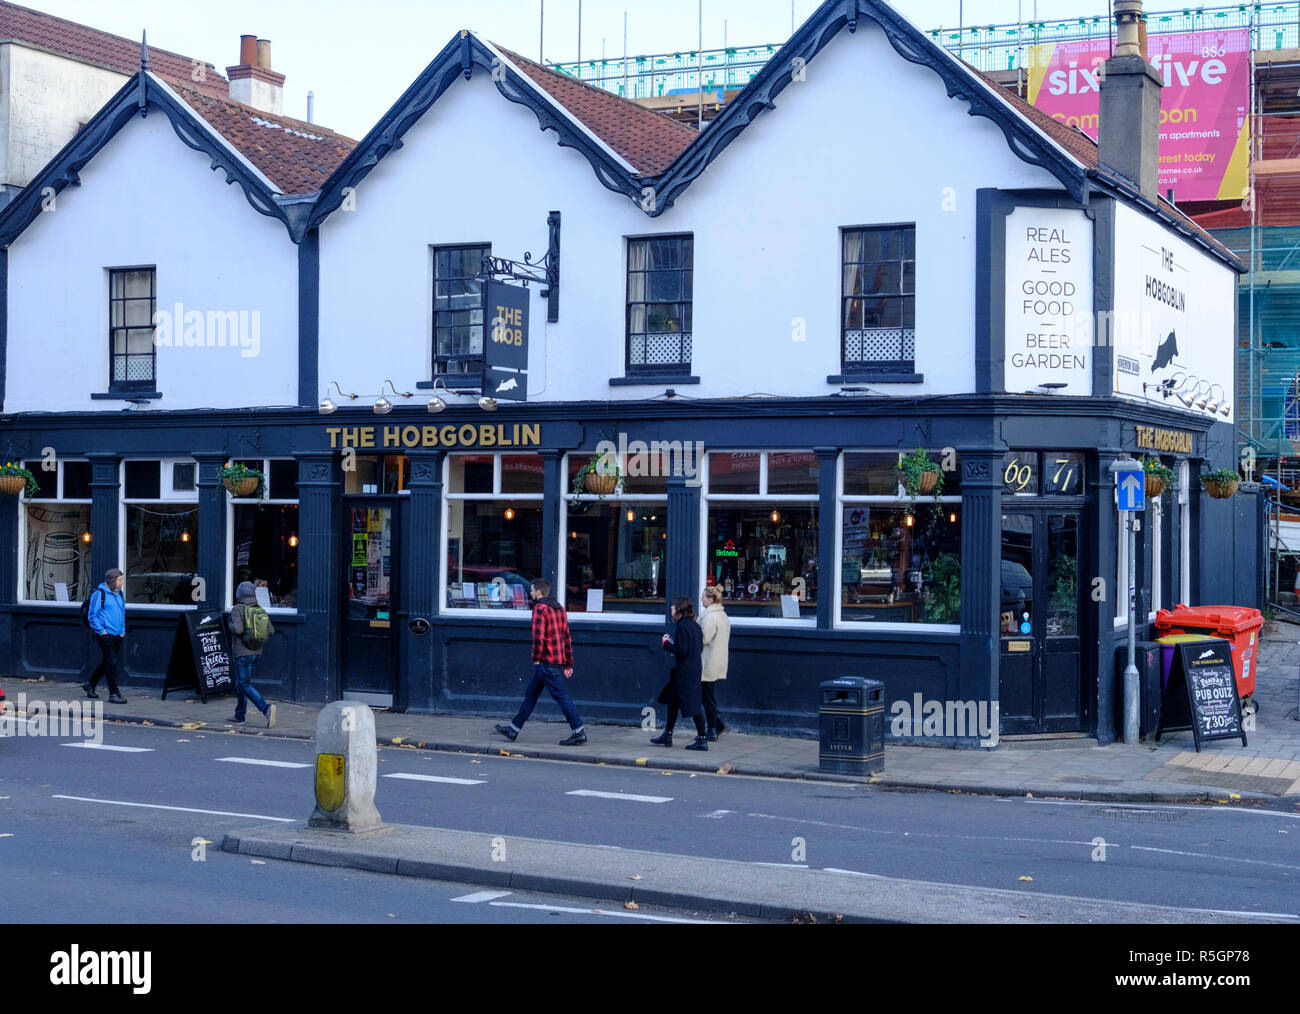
(139, 96)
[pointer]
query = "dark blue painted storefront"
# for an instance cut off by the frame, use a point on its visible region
(477, 665)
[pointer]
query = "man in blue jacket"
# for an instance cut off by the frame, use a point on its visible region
(107, 618)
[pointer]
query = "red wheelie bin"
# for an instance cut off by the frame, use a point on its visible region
(1238, 625)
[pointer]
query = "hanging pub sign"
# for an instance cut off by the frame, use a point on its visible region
(200, 655)
(505, 351)
(1202, 693)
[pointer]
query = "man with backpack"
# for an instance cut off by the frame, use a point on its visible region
(250, 629)
(104, 612)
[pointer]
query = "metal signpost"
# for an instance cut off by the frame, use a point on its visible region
(1130, 497)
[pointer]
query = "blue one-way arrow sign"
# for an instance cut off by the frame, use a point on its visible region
(1130, 489)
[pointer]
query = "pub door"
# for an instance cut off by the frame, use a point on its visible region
(370, 558)
(1040, 671)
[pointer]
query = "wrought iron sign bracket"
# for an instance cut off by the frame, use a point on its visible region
(546, 270)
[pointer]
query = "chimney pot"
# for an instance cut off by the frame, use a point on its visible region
(1128, 138)
(1128, 18)
(264, 53)
(248, 50)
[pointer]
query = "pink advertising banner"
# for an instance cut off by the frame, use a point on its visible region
(1204, 122)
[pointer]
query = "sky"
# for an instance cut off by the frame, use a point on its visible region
(358, 58)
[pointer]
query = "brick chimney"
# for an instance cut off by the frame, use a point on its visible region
(252, 81)
(1129, 134)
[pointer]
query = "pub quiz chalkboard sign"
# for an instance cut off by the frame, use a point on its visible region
(1202, 693)
(200, 655)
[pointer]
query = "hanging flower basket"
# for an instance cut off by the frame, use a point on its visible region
(601, 485)
(241, 487)
(1221, 489)
(14, 479)
(926, 481)
(1159, 477)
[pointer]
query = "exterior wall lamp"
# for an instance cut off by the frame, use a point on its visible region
(326, 405)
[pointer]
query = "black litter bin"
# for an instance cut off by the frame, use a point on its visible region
(852, 726)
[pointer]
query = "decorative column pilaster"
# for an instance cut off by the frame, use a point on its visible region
(319, 578)
(827, 508)
(981, 573)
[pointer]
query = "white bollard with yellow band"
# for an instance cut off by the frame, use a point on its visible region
(346, 769)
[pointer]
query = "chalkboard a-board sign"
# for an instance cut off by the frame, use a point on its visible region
(1202, 693)
(200, 655)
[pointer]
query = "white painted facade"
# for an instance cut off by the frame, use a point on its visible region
(45, 98)
(766, 219)
(148, 200)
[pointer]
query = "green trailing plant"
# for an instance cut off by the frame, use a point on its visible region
(16, 469)
(943, 604)
(599, 464)
(1220, 475)
(1152, 466)
(235, 473)
(912, 469)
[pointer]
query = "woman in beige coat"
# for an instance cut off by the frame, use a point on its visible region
(717, 636)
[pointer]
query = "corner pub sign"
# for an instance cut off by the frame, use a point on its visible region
(467, 435)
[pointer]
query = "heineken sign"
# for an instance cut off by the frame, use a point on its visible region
(505, 350)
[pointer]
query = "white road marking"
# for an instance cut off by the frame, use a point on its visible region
(437, 778)
(480, 896)
(717, 813)
(264, 763)
(1261, 915)
(599, 911)
(785, 866)
(852, 873)
(1157, 806)
(178, 809)
(105, 746)
(620, 795)
(1206, 855)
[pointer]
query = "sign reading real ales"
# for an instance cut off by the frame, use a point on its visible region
(1048, 310)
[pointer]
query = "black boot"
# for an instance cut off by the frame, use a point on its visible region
(701, 743)
(665, 738)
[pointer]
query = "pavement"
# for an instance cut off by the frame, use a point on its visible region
(1075, 768)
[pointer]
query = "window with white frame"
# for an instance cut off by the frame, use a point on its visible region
(262, 535)
(57, 564)
(615, 542)
(492, 504)
(1184, 534)
(900, 557)
(1156, 514)
(762, 534)
(160, 519)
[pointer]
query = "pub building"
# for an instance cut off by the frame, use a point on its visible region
(755, 323)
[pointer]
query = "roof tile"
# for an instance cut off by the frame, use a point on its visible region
(649, 141)
(93, 46)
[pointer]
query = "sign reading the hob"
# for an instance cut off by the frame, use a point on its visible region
(1048, 324)
(505, 353)
(448, 436)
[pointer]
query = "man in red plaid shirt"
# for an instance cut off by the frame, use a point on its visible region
(552, 665)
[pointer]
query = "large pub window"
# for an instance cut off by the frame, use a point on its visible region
(132, 298)
(458, 313)
(660, 290)
(56, 533)
(878, 318)
(262, 534)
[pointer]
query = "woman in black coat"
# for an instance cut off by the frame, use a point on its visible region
(682, 694)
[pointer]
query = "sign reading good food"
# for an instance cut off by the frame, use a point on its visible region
(1048, 333)
(447, 436)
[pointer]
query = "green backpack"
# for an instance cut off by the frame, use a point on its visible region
(257, 627)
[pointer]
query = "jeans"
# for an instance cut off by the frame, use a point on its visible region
(244, 687)
(707, 692)
(109, 646)
(552, 678)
